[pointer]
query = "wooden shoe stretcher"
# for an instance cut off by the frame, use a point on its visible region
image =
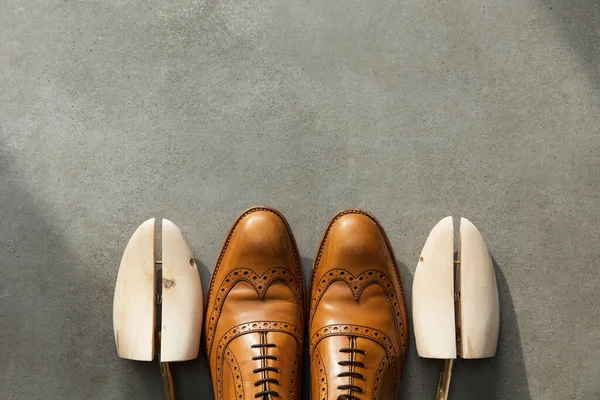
(167, 323)
(455, 315)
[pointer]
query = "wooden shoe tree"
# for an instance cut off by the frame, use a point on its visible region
(178, 303)
(456, 309)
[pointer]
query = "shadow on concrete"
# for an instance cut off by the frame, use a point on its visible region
(192, 378)
(205, 274)
(307, 263)
(579, 21)
(60, 315)
(503, 376)
(148, 374)
(419, 374)
(56, 313)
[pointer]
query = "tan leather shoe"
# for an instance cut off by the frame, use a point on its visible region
(254, 323)
(357, 321)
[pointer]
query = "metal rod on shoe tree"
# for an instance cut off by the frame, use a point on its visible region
(445, 377)
(167, 377)
(446, 374)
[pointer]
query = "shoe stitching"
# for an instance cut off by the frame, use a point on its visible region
(323, 392)
(402, 339)
(230, 235)
(379, 377)
(296, 255)
(252, 327)
(260, 283)
(359, 331)
(292, 380)
(357, 284)
(238, 381)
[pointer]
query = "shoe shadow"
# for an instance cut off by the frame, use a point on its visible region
(500, 377)
(419, 374)
(307, 263)
(503, 376)
(56, 304)
(192, 378)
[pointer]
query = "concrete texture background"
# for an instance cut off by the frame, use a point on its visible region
(115, 111)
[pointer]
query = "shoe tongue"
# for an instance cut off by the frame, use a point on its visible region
(330, 356)
(288, 355)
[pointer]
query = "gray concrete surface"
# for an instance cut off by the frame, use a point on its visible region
(115, 111)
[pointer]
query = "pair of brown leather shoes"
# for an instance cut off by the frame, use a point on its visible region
(255, 316)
